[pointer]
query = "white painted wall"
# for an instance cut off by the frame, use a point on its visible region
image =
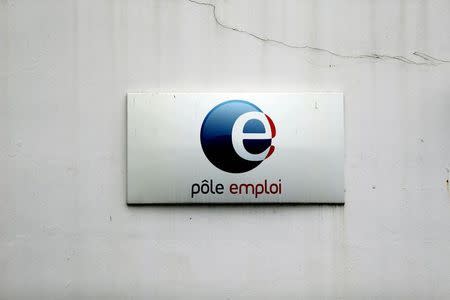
(65, 230)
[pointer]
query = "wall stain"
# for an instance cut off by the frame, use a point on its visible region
(447, 182)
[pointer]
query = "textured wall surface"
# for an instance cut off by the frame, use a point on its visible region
(65, 230)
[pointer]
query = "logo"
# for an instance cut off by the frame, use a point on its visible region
(236, 136)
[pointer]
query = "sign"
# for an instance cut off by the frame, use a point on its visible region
(235, 148)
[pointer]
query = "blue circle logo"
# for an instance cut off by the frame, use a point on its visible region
(236, 136)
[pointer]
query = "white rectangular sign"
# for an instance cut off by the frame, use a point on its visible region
(235, 148)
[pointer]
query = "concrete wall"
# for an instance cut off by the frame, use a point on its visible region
(65, 230)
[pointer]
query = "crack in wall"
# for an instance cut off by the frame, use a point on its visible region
(425, 59)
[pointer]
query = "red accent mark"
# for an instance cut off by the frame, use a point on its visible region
(271, 150)
(272, 126)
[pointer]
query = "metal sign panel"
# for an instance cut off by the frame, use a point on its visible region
(235, 148)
